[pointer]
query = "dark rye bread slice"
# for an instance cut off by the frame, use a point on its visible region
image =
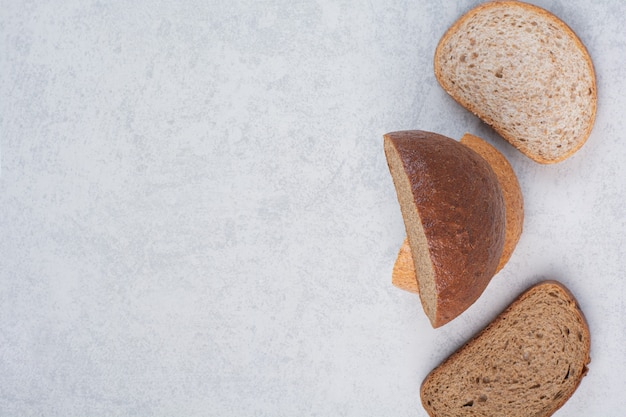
(524, 72)
(527, 362)
(454, 217)
(403, 275)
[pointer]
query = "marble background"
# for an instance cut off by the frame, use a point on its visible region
(196, 217)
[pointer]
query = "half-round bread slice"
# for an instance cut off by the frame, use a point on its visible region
(524, 72)
(527, 362)
(454, 216)
(403, 275)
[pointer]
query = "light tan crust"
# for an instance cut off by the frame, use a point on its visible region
(472, 107)
(545, 286)
(403, 275)
(511, 191)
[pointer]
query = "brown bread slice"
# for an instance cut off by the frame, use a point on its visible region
(403, 275)
(524, 72)
(527, 362)
(454, 216)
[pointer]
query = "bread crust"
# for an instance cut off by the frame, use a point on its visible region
(462, 213)
(404, 274)
(511, 191)
(547, 286)
(473, 108)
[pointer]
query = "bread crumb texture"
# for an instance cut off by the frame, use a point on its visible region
(523, 71)
(528, 362)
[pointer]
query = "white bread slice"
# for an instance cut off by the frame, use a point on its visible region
(404, 275)
(454, 215)
(527, 362)
(524, 72)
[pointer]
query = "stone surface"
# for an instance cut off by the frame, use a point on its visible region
(196, 216)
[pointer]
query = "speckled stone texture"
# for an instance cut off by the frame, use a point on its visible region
(197, 219)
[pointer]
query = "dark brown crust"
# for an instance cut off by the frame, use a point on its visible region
(469, 106)
(404, 274)
(460, 203)
(587, 339)
(511, 191)
(501, 316)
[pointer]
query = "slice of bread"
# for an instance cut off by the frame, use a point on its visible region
(527, 362)
(403, 275)
(524, 72)
(454, 216)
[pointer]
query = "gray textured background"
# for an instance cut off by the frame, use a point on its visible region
(196, 217)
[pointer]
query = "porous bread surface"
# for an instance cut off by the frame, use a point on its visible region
(404, 275)
(420, 254)
(454, 216)
(527, 362)
(524, 72)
